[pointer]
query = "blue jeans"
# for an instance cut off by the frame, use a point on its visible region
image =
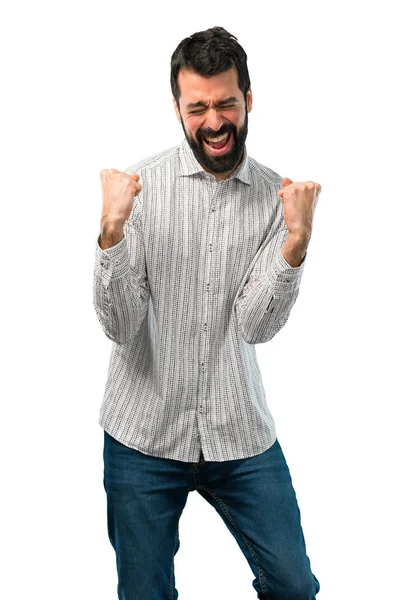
(254, 496)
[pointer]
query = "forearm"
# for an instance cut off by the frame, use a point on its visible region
(120, 288)
(266, 301)
(111, 234)
(294, 249)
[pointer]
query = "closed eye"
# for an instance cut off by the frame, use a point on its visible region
(198, 112)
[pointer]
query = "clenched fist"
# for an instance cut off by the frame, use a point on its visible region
(119, 190)
(300, 200)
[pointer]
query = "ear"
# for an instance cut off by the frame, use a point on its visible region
(249, 100)
(178, 115)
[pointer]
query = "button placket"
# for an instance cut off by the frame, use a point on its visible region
(208, 276)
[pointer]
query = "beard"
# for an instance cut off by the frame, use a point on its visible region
(225, 162)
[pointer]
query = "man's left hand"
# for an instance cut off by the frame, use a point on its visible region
(299, 202)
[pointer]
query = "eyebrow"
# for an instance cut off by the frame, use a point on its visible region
(229, 100)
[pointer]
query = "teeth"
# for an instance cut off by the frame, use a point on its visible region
(218, 139)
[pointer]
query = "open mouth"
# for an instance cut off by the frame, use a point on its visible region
(219, 144)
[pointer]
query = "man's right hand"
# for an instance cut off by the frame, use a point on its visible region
(119, 190)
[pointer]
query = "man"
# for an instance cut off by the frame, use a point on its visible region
(195, 265)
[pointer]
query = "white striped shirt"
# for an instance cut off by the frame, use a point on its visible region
(197, 280)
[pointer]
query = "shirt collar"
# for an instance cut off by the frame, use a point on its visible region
(189, 165)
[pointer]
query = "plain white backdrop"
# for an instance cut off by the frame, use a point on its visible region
(86, 87)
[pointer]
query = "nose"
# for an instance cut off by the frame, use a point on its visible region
(214, 120)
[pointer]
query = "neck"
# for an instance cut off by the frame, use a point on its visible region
(221, 176)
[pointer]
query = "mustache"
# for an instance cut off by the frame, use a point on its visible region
(213, 134)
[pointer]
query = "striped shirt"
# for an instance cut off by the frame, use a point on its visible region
(197, 280)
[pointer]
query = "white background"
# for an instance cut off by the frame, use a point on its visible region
(86, 87)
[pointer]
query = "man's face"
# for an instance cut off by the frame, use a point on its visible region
(208, 108)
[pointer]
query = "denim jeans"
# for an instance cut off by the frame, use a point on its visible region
(254, 496)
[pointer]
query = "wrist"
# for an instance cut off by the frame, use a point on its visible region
(110, 223)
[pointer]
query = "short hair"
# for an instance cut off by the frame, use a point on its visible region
(208, 53)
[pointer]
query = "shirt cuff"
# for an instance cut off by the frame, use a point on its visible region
(112, 261)
(283, 278)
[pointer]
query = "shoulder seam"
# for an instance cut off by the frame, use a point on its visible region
(266, 172)
(152, 161)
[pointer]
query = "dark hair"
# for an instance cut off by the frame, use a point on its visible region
(207, 53)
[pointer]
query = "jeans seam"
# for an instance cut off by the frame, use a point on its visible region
(171, 587)
(225, 509)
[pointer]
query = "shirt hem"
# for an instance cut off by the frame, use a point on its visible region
(194, 460)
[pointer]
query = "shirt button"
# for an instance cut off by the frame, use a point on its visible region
(211, 247)
(205, 326)
(208, 287)
(213, 208)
